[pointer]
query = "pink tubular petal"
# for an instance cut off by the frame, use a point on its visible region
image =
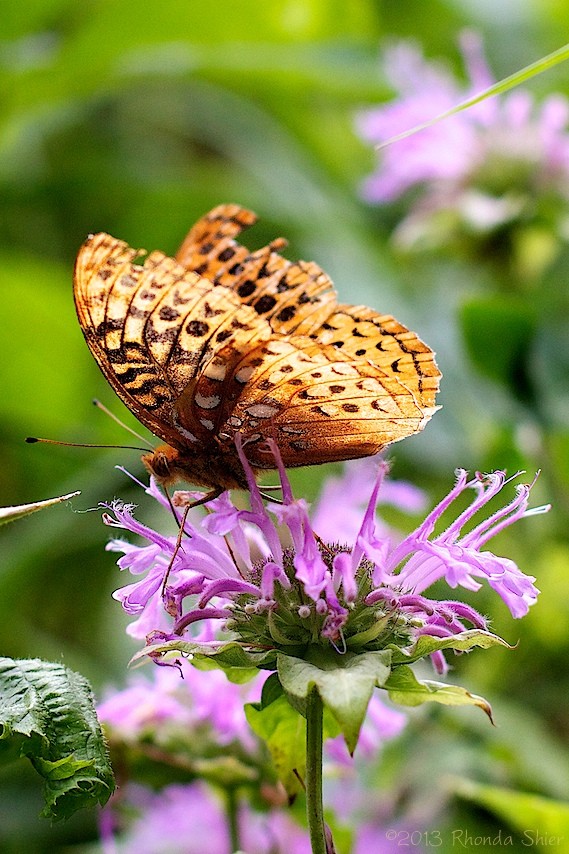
(366, 538)
(271, 573)
(259, 515)
(123, 518)
(200, 614)
(342, 567)
(288, 497)
(227, 585)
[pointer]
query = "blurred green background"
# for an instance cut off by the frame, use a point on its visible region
(136, 118)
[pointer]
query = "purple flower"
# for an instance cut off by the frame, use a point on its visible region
(182, 819)
(205, 701)
(286, 588)
(483, 167)
(190, 819)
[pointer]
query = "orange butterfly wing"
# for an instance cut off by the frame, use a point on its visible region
(224, 341)
(154, 328)
(393, 378)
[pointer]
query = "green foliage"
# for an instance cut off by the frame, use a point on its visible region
(498, 334)
(541, 822)
(345, 684)
(283, 730)
(239, 663)
(461, 642)
(48, 715)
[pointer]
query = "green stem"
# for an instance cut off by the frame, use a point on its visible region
(314, 810)
(232, 816)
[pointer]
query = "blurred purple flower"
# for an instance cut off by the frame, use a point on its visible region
(181, 819)
(486, 164)
(298, 590)
(381, 724)
(190, 819)
(197, 700)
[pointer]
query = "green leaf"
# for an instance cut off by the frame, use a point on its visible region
(541, 821)
(498, 335)
(345, 684)
(10, 514)
(284, 731)
(464, 642)
(272, 690)
(225, 771)
(47, 714)
(404, 688)
(239, 663)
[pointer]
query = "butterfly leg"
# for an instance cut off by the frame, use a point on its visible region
(206, 497)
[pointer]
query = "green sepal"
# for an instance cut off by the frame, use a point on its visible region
(462, 642)
(405, 689)
(345, 684)
(47, 713)
(239, 663)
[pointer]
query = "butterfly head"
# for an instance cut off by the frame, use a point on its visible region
(209, 468)
(162, 463)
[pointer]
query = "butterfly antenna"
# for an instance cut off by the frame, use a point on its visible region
(117, 420)
(32, 439)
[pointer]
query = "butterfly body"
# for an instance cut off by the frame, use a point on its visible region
(222, 341)
(210, 468)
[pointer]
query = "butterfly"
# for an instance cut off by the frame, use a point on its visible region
(220, 341)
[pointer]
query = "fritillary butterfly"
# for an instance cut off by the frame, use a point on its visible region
(221, 341)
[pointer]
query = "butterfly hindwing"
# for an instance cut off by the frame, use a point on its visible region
(318, 405)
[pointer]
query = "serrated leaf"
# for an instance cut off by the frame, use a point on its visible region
(404, 688)
(10, 514)
(533, 816)
(239, 663)
(47, 712)
(345, 684)
(463, 642)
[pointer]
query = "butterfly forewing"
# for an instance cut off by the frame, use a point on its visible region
(293, 296)
(154, 328)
